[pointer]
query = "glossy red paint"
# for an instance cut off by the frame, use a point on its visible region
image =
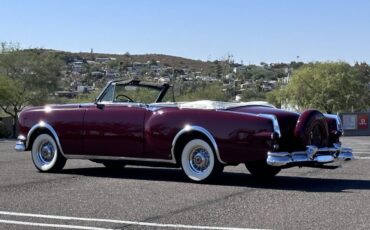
(287, 122)
(240, 137)
(67, 120)
(140, 132)
(114, 130)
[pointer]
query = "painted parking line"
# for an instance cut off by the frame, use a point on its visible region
(51, 225)
(138, 223)
(361, 158)
(361, 152)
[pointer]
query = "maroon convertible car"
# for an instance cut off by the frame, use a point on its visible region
(134, 122)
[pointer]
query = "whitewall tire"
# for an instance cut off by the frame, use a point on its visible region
(45, 154)
(198, 160)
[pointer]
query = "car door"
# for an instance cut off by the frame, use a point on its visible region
(114, 129)
(115, 126)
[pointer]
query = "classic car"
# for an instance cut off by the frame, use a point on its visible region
(139, 123)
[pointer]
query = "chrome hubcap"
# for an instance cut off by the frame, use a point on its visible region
(199, 160)
(46, 152)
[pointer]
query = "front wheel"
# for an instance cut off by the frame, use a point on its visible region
(261, 169)
(45, 154)
(198, 161)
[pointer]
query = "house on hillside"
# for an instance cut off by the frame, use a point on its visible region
(77, 67)
(104, 59)
(111, 73)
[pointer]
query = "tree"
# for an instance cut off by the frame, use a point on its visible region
(201, 91)
(219, 70)
(330, 87)
(12, 98)
(28, 77)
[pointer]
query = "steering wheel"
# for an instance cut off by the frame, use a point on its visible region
(123, 95)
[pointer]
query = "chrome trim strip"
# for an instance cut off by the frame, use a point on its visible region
(187, 128)
(275, 122)
(125, 104)
(43, 125)
(202, 130)
(96, 157)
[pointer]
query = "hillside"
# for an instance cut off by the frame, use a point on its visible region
(165, 60)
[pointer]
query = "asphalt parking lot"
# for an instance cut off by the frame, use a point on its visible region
(87, 196)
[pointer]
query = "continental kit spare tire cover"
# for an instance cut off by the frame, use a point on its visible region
(312, 129)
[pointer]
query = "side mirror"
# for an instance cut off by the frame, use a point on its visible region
(99, 105)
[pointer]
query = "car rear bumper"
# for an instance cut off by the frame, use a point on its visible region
(20, 145)
(312, 155)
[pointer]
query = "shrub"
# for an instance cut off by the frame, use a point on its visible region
(3, 131)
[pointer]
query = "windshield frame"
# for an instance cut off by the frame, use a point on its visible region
(162, 88)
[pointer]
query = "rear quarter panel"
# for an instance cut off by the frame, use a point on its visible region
(240, 137)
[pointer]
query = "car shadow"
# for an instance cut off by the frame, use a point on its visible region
(229, 179)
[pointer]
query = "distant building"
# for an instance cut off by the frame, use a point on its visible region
(112, 73)
(82, 89)
(77, 67)
(67, 94)
(139, 65)
(104, 59)
(97, 74)
(164, 79)
(207, 78)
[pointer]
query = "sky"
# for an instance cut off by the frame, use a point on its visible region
(252, 31)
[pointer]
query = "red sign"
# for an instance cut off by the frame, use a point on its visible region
(362, 121)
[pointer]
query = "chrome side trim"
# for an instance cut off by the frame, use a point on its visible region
(43, 125)
(202, 130)
(125, 104)
(274, 120)
(187, 128)
(95, 157)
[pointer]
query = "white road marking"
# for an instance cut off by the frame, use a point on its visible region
(51, 225)
(362, 158)
(149, 224)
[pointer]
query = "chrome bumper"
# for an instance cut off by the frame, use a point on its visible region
(20, 145)
(312, 154)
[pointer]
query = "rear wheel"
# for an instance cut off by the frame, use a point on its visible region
(261, 169)
(46, 155)
(198, 161)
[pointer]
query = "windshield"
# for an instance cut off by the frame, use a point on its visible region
(133, 92)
